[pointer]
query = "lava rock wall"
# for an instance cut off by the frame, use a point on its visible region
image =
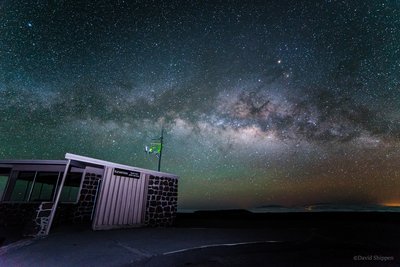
(83, 211)
(41, 221)
(33, 218)
(162, 201)
(20, 215)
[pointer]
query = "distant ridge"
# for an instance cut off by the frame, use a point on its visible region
(270, 206)
(240, 218)
(223, 212)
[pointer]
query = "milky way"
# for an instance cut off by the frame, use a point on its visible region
(263, 102)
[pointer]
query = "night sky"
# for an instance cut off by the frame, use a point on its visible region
(263, 102)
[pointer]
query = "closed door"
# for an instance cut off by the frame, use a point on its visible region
(121, 201)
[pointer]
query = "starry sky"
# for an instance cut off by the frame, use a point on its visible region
(263, 102)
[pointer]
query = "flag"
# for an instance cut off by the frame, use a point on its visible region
(154, 148)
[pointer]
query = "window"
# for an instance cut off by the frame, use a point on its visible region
(71, 187)
(41, 186)
(4, 174)
(23, 186)
(44, 186)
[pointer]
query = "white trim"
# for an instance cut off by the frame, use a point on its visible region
(39, 168)
(7, 186)
(116, 165)
(221, 245)
(56, 201)
(32, 162)
(100, 189)
(83, 176)
(6, 165)
(30, 191)
(56, 187)
(145, 194)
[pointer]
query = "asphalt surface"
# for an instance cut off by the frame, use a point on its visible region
(328, 243)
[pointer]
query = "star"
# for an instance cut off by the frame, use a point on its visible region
(305, 106)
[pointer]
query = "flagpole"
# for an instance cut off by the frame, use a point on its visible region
(161, 147)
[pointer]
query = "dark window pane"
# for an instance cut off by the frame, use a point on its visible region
(4, 175)
(22, 186)
(44, 187)
(71, 187)
(3, 184)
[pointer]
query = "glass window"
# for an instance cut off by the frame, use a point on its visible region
(41, 186)
(44, 187)
(71, 187)
(22, 186)
(4, 174)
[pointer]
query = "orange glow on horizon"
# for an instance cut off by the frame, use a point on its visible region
(391, 204)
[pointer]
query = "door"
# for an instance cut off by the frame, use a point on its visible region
(121, 201)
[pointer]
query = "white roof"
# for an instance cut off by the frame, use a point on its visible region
(116, 165)
(33, 161)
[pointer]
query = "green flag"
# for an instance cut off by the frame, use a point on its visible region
(154, 148)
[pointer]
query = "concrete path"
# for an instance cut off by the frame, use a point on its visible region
(346, 245)
(129, 246)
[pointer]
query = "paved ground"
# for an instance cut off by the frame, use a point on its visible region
(290, 243)
(208, 247)
(119, 247)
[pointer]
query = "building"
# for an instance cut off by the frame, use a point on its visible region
(35, 194)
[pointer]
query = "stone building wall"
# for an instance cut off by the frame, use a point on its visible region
(17, 214)
(32, 218)
(41, 220)
(162, 201)
(83, 210)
